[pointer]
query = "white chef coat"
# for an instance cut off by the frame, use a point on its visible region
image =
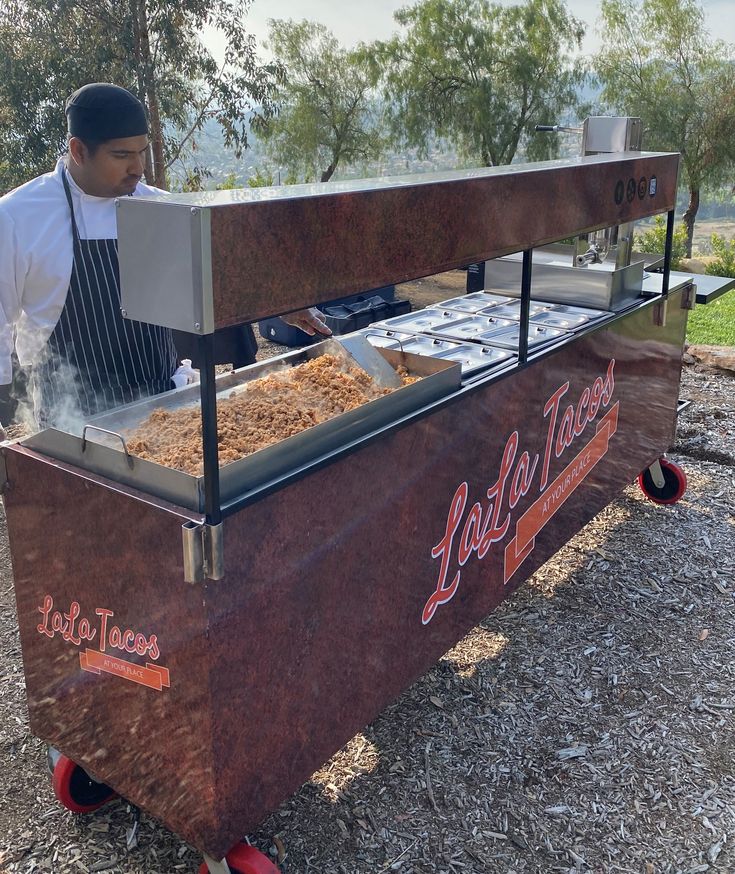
(36, 254)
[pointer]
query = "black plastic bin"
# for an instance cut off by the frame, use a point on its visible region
(343, 315)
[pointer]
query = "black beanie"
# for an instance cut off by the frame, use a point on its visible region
(100, 112)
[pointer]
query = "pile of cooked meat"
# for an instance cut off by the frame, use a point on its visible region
(261, 412)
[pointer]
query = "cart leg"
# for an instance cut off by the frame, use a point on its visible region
(657, 475)
(52, 758)
(242, 859)
(214, 867)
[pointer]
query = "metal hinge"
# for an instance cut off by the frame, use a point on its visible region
(689, 297)
(659, 312)
(203, 552)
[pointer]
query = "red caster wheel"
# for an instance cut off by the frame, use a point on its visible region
(75, 789)
(674, 483)
(244, 859)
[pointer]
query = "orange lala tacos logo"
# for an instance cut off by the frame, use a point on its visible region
(79, 631)
(488, 521)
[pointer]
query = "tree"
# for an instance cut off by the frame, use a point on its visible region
(48, 48)
(660, 63)
(326, 116)
(480, 75)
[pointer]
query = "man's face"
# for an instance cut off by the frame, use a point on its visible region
(115, 168)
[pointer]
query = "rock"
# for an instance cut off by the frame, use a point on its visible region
(692, 265)
(719, 357)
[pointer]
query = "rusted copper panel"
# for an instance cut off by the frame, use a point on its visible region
(78, 542)
(273, 256)
(339, 566)
(329, 605)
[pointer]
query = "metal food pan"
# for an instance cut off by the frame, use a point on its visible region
(538, 336)
(420, 344)
(474, 358)
(474, 302)
(567, 309)
(102, 454)
(560, 320)
(422, 321)
(477, 328)
(471, 356)
(385, 338)
(513, 310)
(557, 280)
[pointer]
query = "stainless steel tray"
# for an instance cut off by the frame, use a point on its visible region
(555, 279)
(422, 321)
(538, 336)
(418, 344)
(568, 318)
(385, 338)
(592, 315)
(513, 310)
(104, 455)
(476, 328)
(471, 356)
(567, 322)
(474, 302)
(474, 358)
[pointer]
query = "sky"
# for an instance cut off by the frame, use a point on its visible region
(367, 20)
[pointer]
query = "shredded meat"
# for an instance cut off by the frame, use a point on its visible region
(262, 412)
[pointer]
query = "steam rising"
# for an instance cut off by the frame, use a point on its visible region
(60, 406)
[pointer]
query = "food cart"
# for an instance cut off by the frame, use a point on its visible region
(200, 644)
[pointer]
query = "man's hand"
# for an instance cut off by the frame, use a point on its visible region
(310, 321)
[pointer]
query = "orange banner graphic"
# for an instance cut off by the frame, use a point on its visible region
(152, 676)
(552, 499)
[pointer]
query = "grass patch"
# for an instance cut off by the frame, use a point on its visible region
(713, 324)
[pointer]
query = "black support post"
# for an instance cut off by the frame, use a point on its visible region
(209, 429)
(525, 306)
(667, 252)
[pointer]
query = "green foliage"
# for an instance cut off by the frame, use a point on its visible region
(48, 48)
(229, 183)
(326, 115)
(724, 257)
(713, 324)
(658, 62)
(481, 75)
(193, 180)
(653, 241)
(260, 179)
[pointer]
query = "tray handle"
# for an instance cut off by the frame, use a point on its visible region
(128, 456)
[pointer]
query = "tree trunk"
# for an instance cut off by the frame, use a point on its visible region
(140, 90)
(149, 84)
(487, 161)
(328, 173)
(690, 216)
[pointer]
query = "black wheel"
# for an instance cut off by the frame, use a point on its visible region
(675, 483)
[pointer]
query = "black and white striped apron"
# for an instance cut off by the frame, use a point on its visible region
(95, 359)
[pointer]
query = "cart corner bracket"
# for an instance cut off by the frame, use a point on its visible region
(660, 311)
(203, 552)
(4, 482)
(689, 297)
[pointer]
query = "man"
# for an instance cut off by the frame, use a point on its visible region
(59, 276)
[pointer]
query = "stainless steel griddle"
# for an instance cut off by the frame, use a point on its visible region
(102, 447)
